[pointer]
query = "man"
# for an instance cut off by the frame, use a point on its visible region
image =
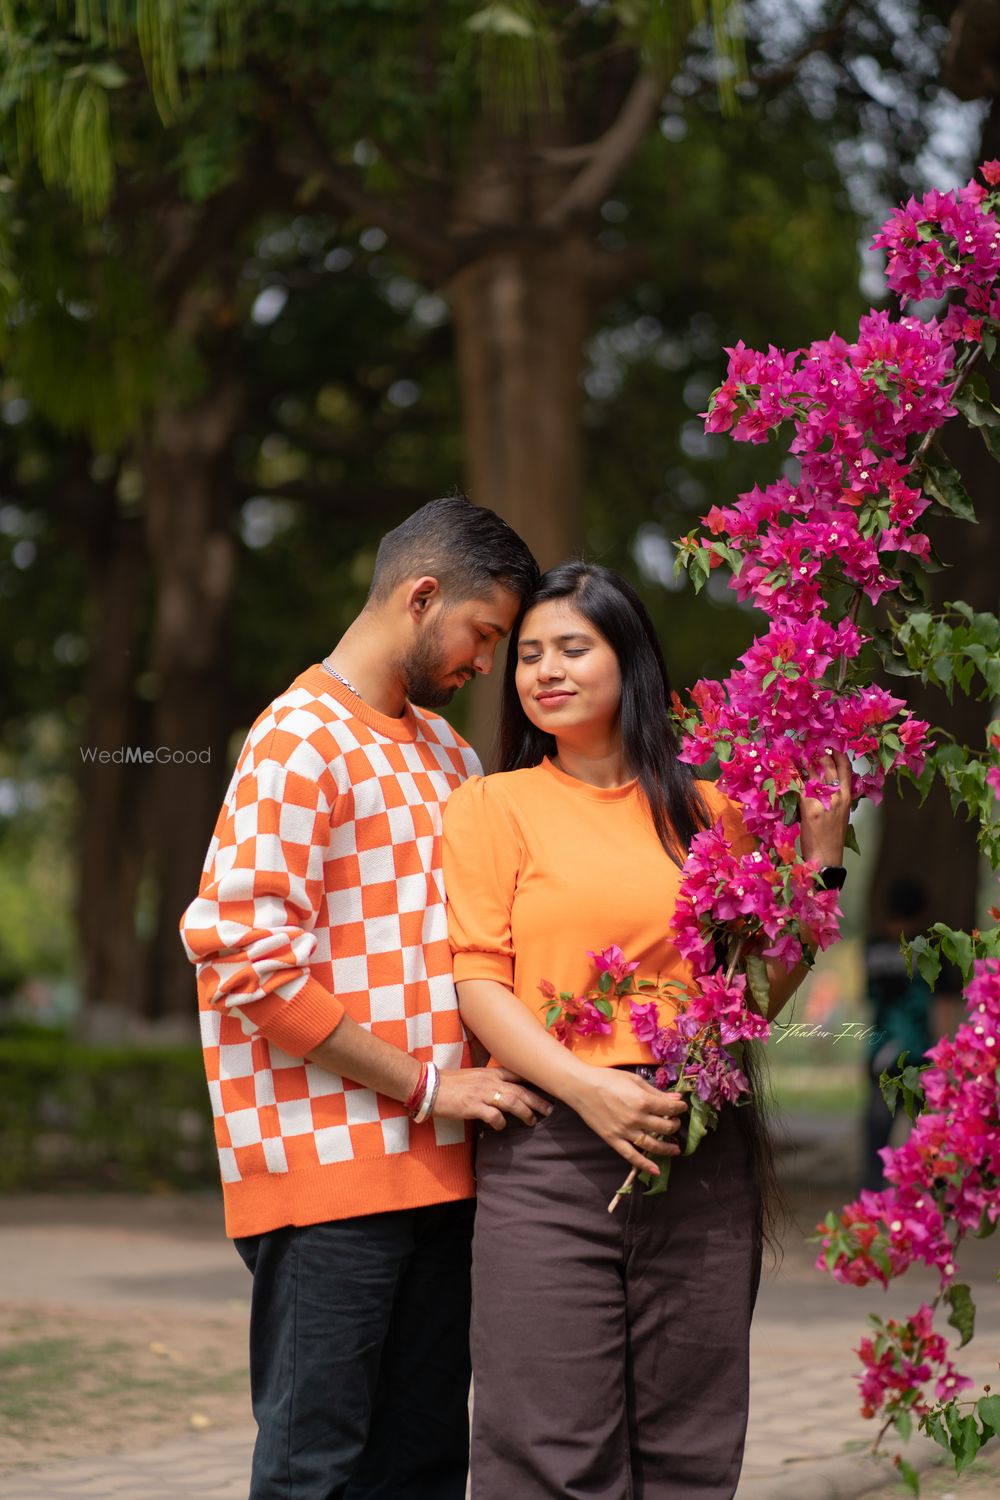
(336, 1059)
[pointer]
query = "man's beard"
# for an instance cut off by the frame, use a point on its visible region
(424, 672)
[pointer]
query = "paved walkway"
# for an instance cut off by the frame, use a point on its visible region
(805, 1434)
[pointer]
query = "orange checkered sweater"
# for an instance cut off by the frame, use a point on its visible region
(322, 894)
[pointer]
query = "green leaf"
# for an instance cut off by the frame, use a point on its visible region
(935, 1428)
(970, 1442)
(903, 1424)
(699, 567)
(944, 485)
(657, 1184)
(929, 965)
(909, 1476)
(552, 1015)
(760, 984)
(988, 1408)
(987, 1226)
(851, 839)
(956, 946)
(605, 1007)
(890, 1090)
(963, 1310)
(700, 1117)
(605, 982)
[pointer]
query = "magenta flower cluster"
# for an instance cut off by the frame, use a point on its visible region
(901, 1359)
(947, 1173)
(945, 1183)
(805, 550)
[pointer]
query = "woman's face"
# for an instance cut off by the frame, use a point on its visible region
(568, 678)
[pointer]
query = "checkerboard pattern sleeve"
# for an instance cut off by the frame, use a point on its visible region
(322, 894)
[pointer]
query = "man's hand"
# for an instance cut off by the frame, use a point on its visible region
(487, 1094)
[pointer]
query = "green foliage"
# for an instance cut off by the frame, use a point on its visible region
(58, 80)
(973, 401)
(102, 1116)
(949, 648)
(958, 947)
(904, 1083)
(701, 1117)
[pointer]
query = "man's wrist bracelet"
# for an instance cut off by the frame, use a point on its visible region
(416, 1098)
(430, 1095)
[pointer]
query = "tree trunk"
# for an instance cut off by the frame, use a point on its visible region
(109, 846)
(521, 318)
(192, 549)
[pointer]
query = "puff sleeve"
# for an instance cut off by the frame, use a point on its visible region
(481, 861)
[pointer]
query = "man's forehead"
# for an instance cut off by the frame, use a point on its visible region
(497, 612)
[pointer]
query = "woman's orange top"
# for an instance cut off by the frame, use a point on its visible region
(539, 867)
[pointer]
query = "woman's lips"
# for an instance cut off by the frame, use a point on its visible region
(553, 697)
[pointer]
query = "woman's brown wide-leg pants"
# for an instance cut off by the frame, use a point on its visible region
(610, 1351)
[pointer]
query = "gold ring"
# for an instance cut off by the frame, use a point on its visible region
(639, 1139)
(496, 1098)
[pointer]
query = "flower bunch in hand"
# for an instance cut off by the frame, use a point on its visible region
(686, 1054)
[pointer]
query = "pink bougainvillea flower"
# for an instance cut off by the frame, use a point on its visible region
(613, 961)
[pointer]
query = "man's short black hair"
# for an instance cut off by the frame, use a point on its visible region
(467, 548)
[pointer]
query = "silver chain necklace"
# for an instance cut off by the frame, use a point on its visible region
(340, 678)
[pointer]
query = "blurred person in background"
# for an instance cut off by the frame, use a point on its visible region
(904, 1012)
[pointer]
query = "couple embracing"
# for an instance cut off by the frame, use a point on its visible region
(375, 930)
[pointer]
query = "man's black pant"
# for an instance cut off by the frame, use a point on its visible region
(359, 1357)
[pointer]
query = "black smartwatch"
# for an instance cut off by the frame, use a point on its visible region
(832, 877)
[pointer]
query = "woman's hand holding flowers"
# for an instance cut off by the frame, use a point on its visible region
(624, 1109)
(824, 828)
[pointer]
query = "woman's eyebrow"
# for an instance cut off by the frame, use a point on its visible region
(574, 635)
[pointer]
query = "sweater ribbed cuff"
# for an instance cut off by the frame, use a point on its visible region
(300, 1024)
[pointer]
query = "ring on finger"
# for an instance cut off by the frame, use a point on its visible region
(640, 1138)
(497, 1098)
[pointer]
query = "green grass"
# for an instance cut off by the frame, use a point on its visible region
(58, 1380)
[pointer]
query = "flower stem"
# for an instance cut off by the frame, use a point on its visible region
(960, 379)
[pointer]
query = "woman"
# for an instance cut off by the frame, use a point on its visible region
(610, 1351)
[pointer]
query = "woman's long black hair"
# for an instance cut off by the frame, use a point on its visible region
(650, 750)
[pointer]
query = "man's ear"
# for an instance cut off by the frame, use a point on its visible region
(421, 594)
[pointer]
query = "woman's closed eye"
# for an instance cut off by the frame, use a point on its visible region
(536, 656)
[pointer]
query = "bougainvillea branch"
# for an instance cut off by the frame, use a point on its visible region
(841, 527)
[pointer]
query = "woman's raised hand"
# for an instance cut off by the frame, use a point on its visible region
(629, 1114)
(824, 829)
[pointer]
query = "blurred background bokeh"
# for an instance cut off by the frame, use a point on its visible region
(278, 275)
